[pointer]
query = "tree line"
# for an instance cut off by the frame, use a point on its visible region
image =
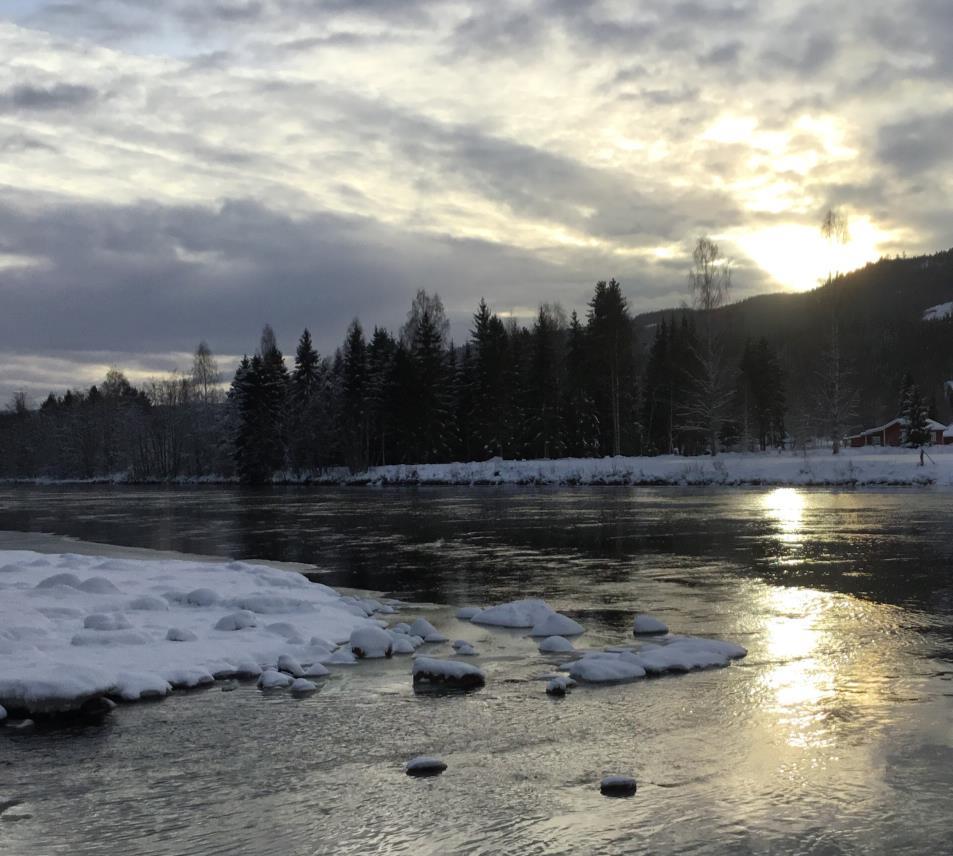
(562, 386)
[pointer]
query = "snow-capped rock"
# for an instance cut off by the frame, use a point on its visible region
(371, 643)
(272, 680)
(177, 634)
(517, 613)
(302, 685)
(556, 645)
(466, 613)
(428, 670)
(557, 624)
(559, 685)
(648, 625)
(288, 664)
(464, 648)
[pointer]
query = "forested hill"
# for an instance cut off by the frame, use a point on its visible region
(878, 311)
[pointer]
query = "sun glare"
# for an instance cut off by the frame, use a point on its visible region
(798, 257)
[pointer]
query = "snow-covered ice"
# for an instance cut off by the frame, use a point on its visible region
(648, 624)
(556, 645)
(449, 672)
(75, 627)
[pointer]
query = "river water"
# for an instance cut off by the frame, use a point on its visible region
(834, 735)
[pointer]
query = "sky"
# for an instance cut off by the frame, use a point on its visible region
(174, 170)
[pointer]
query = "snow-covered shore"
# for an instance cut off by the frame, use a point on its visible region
(852, 467)
(869, 466)
(75, 627)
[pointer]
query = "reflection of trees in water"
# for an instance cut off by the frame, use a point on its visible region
(462, 545)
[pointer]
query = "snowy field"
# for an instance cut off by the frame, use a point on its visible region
(90, 630)
(852, 467)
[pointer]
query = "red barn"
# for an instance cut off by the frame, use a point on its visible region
(891, 434)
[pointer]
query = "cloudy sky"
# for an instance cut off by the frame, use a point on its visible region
(174, 170)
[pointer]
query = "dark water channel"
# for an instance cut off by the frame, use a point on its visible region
(834, 736)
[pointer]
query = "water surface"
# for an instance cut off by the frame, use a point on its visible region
(834, 736)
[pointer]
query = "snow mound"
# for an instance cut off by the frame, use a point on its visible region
(103, 621)
(427, 670)
(317, 670)
(557, 624)
(466, 613)
(464, 648)
(149, 603)
(647, 625)
(372, 643)
(516, 613)
(424, 765)
(177, 634)
(342, 657)
(202, 597)
(98, 585)
(237, 621)
(401, 643)
(423, 628)
(65, 579)
(556, 645)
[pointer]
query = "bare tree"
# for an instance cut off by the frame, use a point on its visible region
(205, 375)
(710, 394)
(835, 231)
(836, 399)
(431, 305)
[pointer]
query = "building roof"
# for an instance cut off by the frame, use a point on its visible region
(931, 425)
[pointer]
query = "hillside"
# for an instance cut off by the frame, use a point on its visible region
(880, 311)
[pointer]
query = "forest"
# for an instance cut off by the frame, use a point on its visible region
(684, 382)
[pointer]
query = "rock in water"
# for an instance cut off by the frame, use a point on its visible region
(618, 786)
(302, 686)
(557, 624)
(424, 765)
(272, 680)
(287, 663)
(556, 645)
(448, 673)
(559, 686)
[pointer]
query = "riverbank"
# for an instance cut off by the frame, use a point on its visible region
(868, 467)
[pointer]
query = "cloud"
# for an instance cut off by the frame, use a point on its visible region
(59, 96)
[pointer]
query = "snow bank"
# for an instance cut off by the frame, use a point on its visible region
(76, 627)
(867, 466)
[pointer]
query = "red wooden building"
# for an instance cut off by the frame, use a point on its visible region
(891, 434)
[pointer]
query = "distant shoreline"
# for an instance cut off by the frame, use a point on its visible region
(870, 467)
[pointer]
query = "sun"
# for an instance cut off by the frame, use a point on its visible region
(799, 258)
